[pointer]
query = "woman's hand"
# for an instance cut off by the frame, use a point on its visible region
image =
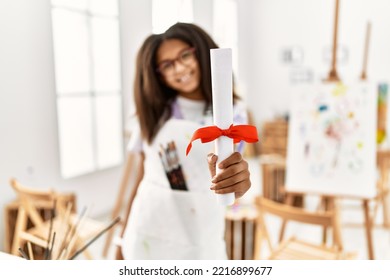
(234, 176)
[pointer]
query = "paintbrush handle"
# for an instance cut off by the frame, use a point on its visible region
(23, 253)
(93, 239)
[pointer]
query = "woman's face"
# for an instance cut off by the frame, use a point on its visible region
(179, 68)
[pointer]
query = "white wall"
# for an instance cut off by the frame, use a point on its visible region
(268, 26)
(135, 25)
(203, 14)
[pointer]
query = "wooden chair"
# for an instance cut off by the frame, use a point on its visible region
(71, 231)
(294, 248)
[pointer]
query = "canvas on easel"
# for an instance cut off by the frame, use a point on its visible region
(332, 139)
(332, 143)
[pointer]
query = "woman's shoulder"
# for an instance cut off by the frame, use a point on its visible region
(135, 138)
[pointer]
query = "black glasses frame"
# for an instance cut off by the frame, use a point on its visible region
(173, 61)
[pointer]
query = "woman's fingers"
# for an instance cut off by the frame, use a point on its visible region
(233, 165)
(231, 181)
(239, 188)
(234, 158)
(234, 176)
(212, 161)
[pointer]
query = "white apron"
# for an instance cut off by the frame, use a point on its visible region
(174, 224)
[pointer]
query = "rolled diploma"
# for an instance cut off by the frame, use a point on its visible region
(222, 84)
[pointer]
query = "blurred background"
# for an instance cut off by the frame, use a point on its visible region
(67, 68)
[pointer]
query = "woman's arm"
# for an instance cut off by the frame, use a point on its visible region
(234, 177)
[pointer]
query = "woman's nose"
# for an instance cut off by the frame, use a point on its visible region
(179, 66)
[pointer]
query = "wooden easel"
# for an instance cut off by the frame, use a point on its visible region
(383, 156)
(383, 161)
(333, 75)
(328, 201)
(363, 76)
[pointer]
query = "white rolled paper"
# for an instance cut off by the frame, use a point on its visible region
(222, 89)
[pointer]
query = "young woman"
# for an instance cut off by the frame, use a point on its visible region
(173, 98)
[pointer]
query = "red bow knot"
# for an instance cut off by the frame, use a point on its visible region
(247, 133)
(225, 132)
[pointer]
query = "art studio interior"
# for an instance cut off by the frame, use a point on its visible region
(100, 98)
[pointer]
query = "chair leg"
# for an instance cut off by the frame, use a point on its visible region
(289, 201)
(21, 225)
(87, 254)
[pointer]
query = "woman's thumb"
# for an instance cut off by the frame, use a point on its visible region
(212, 161)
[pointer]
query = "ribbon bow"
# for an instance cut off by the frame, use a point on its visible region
(247, 133)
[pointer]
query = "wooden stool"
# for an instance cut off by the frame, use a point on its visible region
(273, 169)
(240, 232)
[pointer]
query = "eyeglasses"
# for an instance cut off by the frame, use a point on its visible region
(186, 57)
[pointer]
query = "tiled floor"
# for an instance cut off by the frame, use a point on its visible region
(352, 218)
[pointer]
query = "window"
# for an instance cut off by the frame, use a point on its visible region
(167, 12)
(88, 86)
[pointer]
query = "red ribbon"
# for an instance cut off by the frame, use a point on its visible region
(247, 133)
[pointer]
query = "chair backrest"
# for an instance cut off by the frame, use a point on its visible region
(31, 199)
(286, 213)
(35, 207)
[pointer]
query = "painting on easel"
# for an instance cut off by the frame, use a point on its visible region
(332, 140)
